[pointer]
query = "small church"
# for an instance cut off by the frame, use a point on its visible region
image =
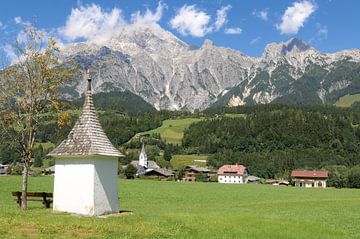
(143, 164)
(86, 164)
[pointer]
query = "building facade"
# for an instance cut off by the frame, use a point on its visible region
(233, 174)
(309, 178)
(86, 163)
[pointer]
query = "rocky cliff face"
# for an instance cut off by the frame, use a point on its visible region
(169, 74)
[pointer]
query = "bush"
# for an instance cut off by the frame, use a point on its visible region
(130, 171)
(16, 169)
(338, 176)
(201, 177)
(354, 177)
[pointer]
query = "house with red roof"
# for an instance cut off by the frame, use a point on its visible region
(233, 174)
(310, 178)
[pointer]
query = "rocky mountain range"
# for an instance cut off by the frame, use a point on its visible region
(169, 74)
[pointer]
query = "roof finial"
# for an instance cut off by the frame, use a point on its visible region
(87, 76)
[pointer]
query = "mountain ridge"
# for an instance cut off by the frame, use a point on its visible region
(169, 74)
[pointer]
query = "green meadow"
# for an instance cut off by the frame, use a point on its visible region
(177, 161)
(191, 210)
(172, 131)
(347, 100)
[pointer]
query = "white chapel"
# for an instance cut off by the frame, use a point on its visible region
(86, 164)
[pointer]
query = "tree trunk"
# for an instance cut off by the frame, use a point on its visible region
(24, 185)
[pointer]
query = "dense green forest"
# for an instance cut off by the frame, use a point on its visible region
(272, 140)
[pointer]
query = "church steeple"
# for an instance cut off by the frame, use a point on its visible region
(87, 137)
(143, 162)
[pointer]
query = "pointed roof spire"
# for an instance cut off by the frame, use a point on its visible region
(87, 137)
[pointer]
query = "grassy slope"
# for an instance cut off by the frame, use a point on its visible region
(173, 130)
(177, 161)
(347, 100)
(192, 210)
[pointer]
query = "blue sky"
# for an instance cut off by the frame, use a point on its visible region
(246, 25)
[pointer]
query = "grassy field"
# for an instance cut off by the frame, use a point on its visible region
(177, 161)
(173, 130)
(192, 210)
(347, 100)
(235, 115)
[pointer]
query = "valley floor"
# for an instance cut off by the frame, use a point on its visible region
(191, 210)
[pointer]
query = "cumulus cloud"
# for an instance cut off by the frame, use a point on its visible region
(221, 17)
(149, 17)
(263, 14)
(295, 16)
(91, 22)
(235, 30)
(191, 21)
(194, 22)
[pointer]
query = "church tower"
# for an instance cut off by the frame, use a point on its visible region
(86, 164)
(143, 162)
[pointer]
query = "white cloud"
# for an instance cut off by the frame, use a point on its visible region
(255, 40)
(191, 21)
(10, 53)
(92, 22)
(263, 14)
(17, 20)
(221, 17)
(321, 34)
(295, 16)
(236, 30)
(149, 17)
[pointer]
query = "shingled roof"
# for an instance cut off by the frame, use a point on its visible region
(87, 137)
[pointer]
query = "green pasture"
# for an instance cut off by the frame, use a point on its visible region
(347, 100)
(172, 131)
(178, 161)
(158, 209)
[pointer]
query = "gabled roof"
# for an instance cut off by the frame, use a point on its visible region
(87, 137)
(232, 169)
(162, 171)
(309, 174)
(151, 164)
(198, 169)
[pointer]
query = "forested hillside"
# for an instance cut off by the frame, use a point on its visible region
(274, 139)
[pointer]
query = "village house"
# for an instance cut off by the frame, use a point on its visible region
(159, 173)
(86, 163)
(309, 178)
(233, 174)
(3, 168)
(192, 172)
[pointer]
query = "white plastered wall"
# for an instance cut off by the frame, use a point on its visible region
(74, 186)
(86, 186)
(106, 186)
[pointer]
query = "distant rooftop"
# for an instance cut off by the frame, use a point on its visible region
(309, 174)
(87, 137)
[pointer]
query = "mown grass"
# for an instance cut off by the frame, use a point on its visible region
(191, 210)
(235, 115)
(347, 100)
(178, 161)
(172, 131)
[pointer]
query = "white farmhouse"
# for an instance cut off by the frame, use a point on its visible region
(232, 174)
(86, 165)
(310, 178)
